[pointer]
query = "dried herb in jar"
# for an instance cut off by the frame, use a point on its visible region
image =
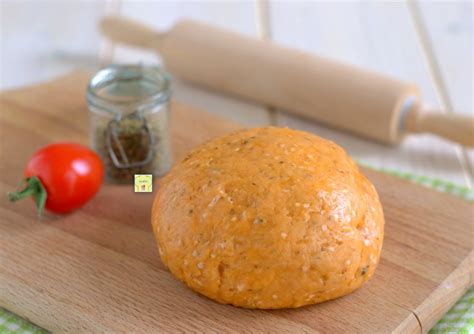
(128, 147)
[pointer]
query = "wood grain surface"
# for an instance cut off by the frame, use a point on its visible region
(97, 270)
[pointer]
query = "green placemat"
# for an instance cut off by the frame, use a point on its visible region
(11, 323)
(459, 319)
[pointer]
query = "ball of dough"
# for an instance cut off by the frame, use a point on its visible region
(269, 218)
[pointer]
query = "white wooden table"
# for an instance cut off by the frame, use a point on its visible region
(430, 43)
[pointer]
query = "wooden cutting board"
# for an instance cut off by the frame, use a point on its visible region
(97, 270)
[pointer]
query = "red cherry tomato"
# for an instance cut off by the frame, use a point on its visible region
(69, 173)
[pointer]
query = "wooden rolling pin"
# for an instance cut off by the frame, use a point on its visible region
(339, 95)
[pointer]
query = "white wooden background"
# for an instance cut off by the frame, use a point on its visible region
(428, 42)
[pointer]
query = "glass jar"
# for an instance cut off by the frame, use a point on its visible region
(129, 120)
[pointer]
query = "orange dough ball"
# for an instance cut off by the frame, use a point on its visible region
(269, 218)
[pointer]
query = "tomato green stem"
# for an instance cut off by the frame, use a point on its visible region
(34, 188)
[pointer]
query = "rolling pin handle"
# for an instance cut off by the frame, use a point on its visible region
(456, 128)
(129, 32)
